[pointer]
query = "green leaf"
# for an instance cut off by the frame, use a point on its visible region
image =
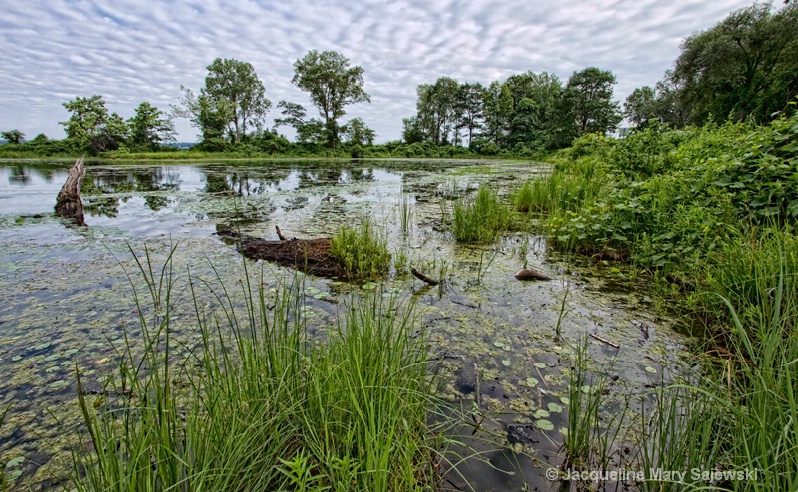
(544, 424)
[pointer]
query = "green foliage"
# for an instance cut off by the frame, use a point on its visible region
(149, 129)
(362, 251)
(232, 100)
(261, 407)
(588, 102)
(764, 178)
(91, 127)
(743, 67)
(13, 136)
(332, 86)
(481, 219)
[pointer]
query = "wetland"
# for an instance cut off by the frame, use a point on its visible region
(502, 350)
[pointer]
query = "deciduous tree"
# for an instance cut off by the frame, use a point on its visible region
(150, 127)
(332, 85)
(13, 136)
(92, 127)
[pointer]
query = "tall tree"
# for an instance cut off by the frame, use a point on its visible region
(747, 65)
(13, 136)
(232, 101)
(92, 127)
(150, 127)
(536, 103)
(237, 83)
(588, 98)
(470, 108)
(640, 105)
(498, 110)
(436, 108)
(332, 85)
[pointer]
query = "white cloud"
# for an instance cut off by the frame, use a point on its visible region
(131, 51)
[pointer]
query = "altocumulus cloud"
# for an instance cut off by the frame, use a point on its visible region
(131, 51)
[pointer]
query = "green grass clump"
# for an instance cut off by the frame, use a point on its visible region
(260, 406)
(480, 220)
(361, 251)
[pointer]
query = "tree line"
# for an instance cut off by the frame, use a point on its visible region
(745, 67)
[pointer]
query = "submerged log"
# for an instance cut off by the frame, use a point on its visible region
(68, 203)
(530, 274)
(307, 255)
(423, 277)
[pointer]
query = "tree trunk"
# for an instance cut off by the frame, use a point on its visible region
(68, 203)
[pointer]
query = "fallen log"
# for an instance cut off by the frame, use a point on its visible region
(530, 274)
(307, 255)
(68, 203)
(423, 277)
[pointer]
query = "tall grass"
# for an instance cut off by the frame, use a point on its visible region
(480, 220)
(361, 251)
(262, 406)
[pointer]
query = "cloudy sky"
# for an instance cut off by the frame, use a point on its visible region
(131, 51)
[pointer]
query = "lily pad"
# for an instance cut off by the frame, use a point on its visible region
(57, 384)
(565, 400)
(586, 389)
(52, 358)
(71, 352)
(544, 424)
(15, 462)
(14, 474)
(531, 382)
(41, 346)
(651, 369)
(540, 365)
(506, 362)
(540, 413)
(16, 358)
(554, 407)
(369, 286)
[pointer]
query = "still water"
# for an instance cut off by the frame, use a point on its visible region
(65, 300)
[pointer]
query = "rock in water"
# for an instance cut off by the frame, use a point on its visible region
(530, 274)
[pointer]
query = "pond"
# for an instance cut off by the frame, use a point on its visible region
(65, 300)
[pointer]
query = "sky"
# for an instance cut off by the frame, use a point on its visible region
(130, 51)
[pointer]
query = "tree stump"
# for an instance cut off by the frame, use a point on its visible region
(68, 203)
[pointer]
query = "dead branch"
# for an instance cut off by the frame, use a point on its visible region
(423, 277)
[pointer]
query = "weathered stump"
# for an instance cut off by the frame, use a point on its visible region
(68, 203)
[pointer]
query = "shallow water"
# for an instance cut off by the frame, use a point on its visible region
(65, 299)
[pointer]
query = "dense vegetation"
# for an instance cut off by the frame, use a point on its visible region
(259, 405)
(744, 68)
(710, 212)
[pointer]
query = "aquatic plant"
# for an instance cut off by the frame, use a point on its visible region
(259, 406)
(361, 251)
(481, 219)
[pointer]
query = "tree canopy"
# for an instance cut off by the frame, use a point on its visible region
(92, 127)
(745, 66)
(232, 101)
(13, 136)
(332, 85)
(149, 127)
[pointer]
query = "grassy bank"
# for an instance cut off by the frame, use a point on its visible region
(709, 214)
(259, 405)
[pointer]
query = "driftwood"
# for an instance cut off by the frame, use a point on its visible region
(423, 277)
(280, 234)
(604, 340)
(68, 203)
(308, 255)
(530, 274)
